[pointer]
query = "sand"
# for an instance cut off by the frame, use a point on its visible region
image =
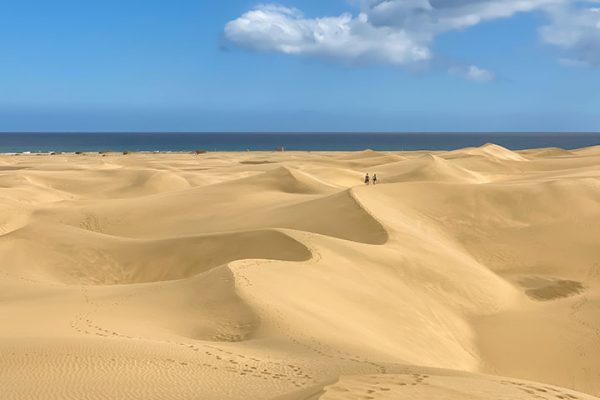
(470, 274)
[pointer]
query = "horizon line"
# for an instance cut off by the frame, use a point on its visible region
(298, 132)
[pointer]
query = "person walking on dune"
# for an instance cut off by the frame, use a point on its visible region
(374, 179)
(367, 179)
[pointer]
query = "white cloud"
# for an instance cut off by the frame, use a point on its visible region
(444, 15)
(395, 32)
(576, 31)
(401, 32)
(345, 38)
(473, 73)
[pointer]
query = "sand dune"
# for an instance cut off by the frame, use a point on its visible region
(368, 158)
(548, 152)
(109, 182)
(337, 176)
(493, 151)
(428, 168)
(470, 274)
(419, 384)
(286, 180)
(103, 259)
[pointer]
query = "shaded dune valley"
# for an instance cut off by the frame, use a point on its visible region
(467, 274)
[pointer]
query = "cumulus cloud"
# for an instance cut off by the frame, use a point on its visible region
(347, 38)
(576, 31)
(401, 32)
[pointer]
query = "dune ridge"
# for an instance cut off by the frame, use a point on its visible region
(472, 273)
(105, 259)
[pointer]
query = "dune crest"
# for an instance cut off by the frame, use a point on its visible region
(111, 260)
(494, 152)
(430, 168)
(288, 180)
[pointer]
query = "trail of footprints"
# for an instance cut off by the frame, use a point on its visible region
(308, 342)
(219, 358)
(313, 344)
(367, 387)
(541, 391)
(576, 309)
(84, 323)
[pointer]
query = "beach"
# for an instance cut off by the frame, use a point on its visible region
(463, 274)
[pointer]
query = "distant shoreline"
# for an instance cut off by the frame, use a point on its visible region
(193, 153)
(236, 142)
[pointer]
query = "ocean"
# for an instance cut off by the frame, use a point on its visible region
(92, 142)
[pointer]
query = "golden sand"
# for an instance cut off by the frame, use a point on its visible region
(471, 274)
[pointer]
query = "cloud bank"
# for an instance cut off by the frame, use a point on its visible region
(401, 32)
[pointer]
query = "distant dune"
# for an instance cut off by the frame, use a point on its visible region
(469, 274)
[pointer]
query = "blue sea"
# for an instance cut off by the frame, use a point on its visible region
(91, 142)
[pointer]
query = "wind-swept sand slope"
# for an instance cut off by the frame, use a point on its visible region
(471, 274)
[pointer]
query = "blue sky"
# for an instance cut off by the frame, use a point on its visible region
(336, 65)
